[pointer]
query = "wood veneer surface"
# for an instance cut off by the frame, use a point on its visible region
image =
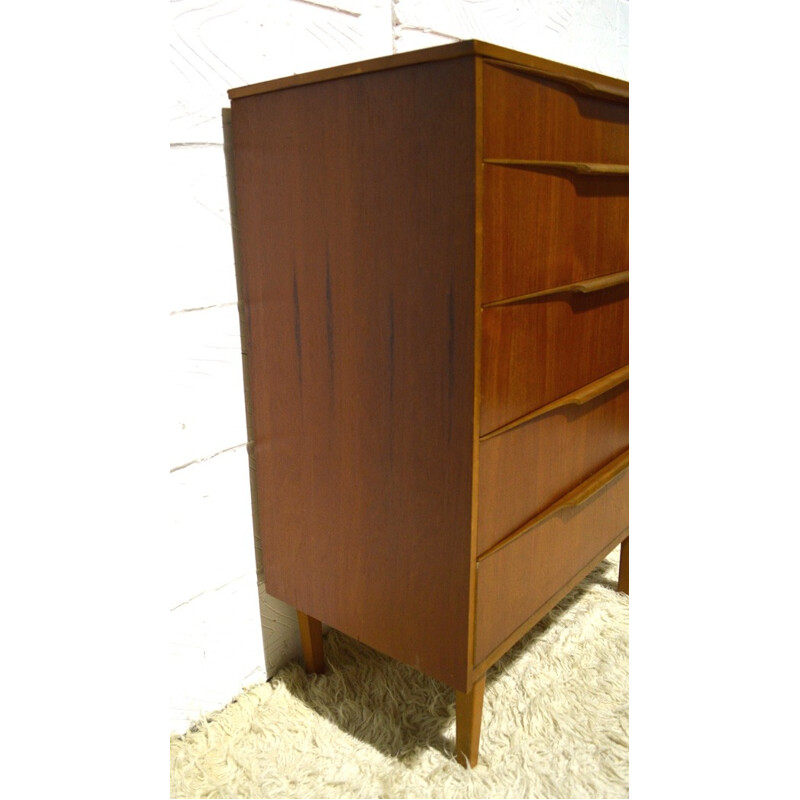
(542, 349)
(546, 228)
(528, 117)
(526, 469)
(515, 581)
(356, 208)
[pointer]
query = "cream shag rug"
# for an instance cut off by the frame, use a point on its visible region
(555, 721)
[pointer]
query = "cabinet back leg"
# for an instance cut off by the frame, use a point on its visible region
(622, 585)
(469, 707)
(311, 639)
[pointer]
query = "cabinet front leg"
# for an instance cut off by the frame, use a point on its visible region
(469, 707)
(311, 639)
(622, 584)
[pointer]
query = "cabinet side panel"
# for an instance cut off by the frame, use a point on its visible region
(356, 214)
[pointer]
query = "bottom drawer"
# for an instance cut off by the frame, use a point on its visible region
(516, 580)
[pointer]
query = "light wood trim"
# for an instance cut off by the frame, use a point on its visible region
(577, 497)
(576, 398)
(477, 346)
(583, 287)
(582, 80)
(579, 167)
(469, 708)
(439, 53)
(498, 652)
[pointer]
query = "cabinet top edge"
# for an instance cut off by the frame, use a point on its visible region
(583, 80)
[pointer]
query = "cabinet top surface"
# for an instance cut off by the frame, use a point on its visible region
(589, 81)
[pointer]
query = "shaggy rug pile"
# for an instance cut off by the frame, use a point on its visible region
(555, 721)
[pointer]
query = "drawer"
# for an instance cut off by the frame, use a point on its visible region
(529, 117)
(549, 227)
(516, 581)
(524, 470)
(540, 350)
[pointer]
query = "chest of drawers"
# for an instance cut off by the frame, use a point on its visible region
(433, 284)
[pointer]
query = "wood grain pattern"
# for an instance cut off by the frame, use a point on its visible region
(545, 228)
(516, 580)
(536, 352)
(360, 319)
(525, 470)
(530, 118)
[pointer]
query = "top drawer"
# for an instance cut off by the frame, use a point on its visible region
(528, 117)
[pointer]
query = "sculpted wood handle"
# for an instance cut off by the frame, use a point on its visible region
(583, 287)
(576, 398)
(589, 488)
(581, 167)
(577, 497)
(594, 85)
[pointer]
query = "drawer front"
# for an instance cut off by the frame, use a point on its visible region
(538, 351)
(524, 470)
(516, 581)
(546, 228)
(529, 117)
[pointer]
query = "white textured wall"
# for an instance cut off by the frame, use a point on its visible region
(591, 34)
(217, 610)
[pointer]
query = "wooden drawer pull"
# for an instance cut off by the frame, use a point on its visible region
(582, 287)
(576, 398)
(577, 497)
(593, 86)
(580, 167)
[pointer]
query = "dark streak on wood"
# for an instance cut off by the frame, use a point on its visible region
(379, 482)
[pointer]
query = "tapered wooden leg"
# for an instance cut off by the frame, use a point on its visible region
(622, 585)
(311, 639)
(469, 707)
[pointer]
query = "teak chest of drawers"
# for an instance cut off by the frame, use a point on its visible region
(433, 256)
